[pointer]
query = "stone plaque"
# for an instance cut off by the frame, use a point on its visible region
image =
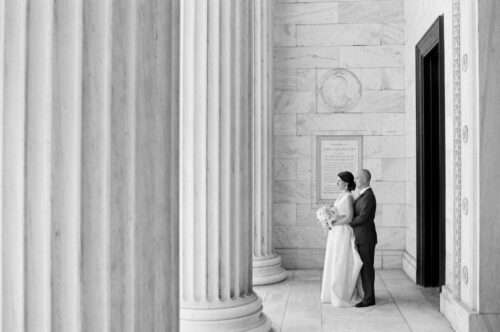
(333, 155)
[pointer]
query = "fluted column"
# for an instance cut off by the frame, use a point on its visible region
(216, 168)
(89, 165)
(266, 264)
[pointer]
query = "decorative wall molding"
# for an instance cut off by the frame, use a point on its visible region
(457, 147)
(340, 89)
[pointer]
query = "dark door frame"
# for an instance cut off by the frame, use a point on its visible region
(432, 41)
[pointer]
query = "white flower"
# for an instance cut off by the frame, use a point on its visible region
(326, 215)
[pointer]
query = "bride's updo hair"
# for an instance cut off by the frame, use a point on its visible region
(348, 178)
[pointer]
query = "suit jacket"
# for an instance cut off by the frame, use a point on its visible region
(363, 220)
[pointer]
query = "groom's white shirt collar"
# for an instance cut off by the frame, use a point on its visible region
(362, 191)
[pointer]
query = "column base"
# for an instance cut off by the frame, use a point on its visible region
(463, 319)
(267, 270)
(242, 314)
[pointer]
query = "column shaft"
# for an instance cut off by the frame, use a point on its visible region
(38, 169)
(13, 165)
(89, 165)
(66, 167)
(216, 168)
(266, 264)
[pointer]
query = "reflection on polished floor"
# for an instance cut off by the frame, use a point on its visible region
(294, 305)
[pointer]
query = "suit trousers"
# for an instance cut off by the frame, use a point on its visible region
(367, 253)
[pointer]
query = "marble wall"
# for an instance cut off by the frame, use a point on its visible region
(469, 298)
(365, 41)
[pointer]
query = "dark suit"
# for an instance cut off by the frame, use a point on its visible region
(363, 226)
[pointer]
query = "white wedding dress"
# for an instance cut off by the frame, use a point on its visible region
(341, 285)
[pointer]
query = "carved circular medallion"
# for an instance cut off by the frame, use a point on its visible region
(465, 134)
(465, 275)
(340, 89)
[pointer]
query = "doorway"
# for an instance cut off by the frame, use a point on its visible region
(430, 157)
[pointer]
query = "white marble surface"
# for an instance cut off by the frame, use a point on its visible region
(285, 34)
(365, 11)
(487, 257)
(85, 86)
(307, 57)
(292, 191)
(300, 13)
(371, 56)
(389, 192)
(388, 215)
(338, 34)
(284, 124)
(294, 102)
(292, 147)
(294, 79)
(401, 306)
(393, 34)
(391, 78)
(284, 214)
(311, 38)
(217, 168)
(392, 238)
(285, 169)
(266, 264)
(384, 147)
(306, 213)
(308, 258)
(357, 123)
(304, 169)
(13, 165)
(385, 101)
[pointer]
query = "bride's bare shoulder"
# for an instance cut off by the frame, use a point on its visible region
(345, 197)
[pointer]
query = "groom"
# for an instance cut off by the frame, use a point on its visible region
(365, 234)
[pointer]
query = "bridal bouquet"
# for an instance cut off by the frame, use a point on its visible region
(326, 215)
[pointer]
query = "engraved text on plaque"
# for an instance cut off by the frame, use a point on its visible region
(335, 154)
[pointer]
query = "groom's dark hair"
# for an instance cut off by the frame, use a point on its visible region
(348, 178)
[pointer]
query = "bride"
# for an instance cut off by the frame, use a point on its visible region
(341, 285)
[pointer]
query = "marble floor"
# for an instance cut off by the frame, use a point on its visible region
(294, 305)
